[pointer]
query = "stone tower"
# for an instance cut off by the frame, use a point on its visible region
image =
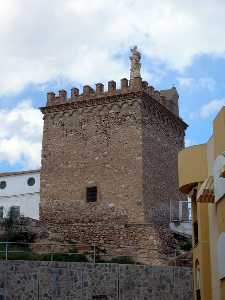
(109, 163)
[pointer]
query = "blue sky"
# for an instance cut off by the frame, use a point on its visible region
(62, 44)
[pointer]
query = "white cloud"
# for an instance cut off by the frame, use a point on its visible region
(87, 40)
(192, 115)
(186, 82)
(207, 83)
(20, 135)
(211, 107)
(193, 83)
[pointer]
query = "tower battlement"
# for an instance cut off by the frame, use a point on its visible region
(168, 98)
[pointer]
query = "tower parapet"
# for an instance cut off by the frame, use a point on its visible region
(170, 99)
(167, 98)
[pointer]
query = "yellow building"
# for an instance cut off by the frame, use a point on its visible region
(202, 177)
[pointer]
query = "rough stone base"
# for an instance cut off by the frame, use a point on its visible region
(144, 243)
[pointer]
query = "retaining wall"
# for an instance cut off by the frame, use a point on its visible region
(20, 280)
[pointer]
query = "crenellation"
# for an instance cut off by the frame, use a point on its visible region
(157, 95)
(87, 90)
(145, 85)
(124, 84)
(50, 98)
(111, 86)
(63, 94)
(171, 99)
(99, 88)
(167, 98)
(151, 90)
(74, 93)
(53, 100)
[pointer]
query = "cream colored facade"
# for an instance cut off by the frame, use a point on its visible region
(202, 177)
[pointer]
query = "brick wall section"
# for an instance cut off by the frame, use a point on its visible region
(124, 141)
(65, 281)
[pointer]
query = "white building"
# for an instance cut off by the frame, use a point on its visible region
(20, 192)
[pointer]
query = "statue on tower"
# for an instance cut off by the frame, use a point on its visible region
(135, 63)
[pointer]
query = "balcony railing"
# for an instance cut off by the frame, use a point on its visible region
(180, 211)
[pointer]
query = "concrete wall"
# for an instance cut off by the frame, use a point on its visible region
(67, 281)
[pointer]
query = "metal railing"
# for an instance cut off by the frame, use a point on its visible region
(90, 253)
(180, 211)
(8, 248)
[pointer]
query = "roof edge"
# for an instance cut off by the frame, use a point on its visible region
(7, 174)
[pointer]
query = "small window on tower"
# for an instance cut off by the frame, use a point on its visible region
(91, 194)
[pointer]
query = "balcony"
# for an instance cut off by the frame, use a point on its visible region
(192, 167)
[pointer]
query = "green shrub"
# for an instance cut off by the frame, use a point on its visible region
(100, 260)
(186, 246)
(17, 229)
(20, 236)
(69, 257)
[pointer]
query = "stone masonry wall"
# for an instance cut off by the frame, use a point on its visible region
(144, 243)
(67, 281)
(162, 140)
(93, 146)
(125, 142)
